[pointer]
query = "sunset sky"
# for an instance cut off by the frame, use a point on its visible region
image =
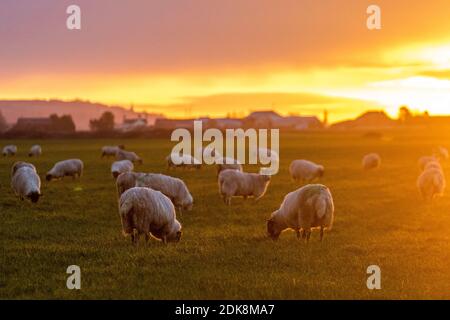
(210, 57)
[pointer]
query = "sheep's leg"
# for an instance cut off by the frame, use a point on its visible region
(303, 234)
(147, 237)
(135, 237)
(321, 233)
(308, 235)
(164, 239)
(298, 234)
(180, 211)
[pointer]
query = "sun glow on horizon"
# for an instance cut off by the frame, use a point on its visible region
(386, 85)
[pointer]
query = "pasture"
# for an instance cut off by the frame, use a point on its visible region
(224, 252)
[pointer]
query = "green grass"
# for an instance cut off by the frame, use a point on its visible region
(224, 252)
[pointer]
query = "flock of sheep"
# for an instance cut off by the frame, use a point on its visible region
(148, 201)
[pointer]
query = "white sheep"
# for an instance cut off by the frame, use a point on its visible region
(431, 184)
(175, 160)
(35, 151)
(371, 161)
(108, 151)
(25, 181)
(149, 212)
(423, 161)
(9, 150)
(301, 210)
(126, 181)
(225, 163)
(61, 169)
(128, 155)
(173, 188)
(121, 166)
(305, 171)
(233, 183)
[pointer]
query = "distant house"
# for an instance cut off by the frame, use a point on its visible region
(271, 119)
(228, 123)
(370, 120)
(171, 124)
(135, 124)
(262, 119)
(299, 123)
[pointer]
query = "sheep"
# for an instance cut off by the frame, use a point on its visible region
(25, 181)
(228, 163)
(171, 187)
(70, 167)
(19, 164)
(175, 160)
(233, 183)
(423, 161)
(108, 151)
(128, 155)
(9, 150)
(431, 184)
(371, 161)
(121, 166)
(441, 153)
(126, 180)
(304, 170)
(310, 206)
(35, 151)
(149, 212)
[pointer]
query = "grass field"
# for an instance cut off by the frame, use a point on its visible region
(224, 252)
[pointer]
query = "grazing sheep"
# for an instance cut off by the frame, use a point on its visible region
(174, 160)
(308, 207)
(35, 151)
(128, 155)
(304, 170)
(9, 150)
(121, 166)
(431, 184)
(371, 161)
(19, 164)
(228, 163)
(61, 169)
(146, 211)
(233, 183)
(423, 161)
(171, 187)
(108, 151)
(441, 153)
(25, 181)
(127, 181)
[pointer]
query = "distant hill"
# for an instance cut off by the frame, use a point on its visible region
(81, 111)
